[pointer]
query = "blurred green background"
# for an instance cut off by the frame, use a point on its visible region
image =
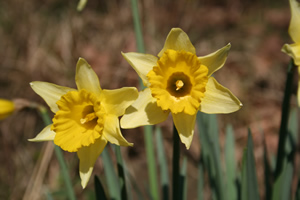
(42, 40)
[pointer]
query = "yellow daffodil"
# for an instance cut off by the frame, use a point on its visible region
(293, 50)
(6, 108)
(179, 82)
(85, 119)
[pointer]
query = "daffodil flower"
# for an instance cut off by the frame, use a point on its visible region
(6, 108)
(180, 83)
(293, 50)
(85, 119)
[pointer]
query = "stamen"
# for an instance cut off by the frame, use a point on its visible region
(179, 84)
(88, 118)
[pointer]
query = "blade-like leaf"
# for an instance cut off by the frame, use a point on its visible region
(231, 190)
(136, 188)
(200, 186)
(111, 176)
(121, 172)
(249, 179)
(267, 172)
(282, 186)
(210, 152)
(162, 161)
(183, 180)
(151, 162)
(100, 194)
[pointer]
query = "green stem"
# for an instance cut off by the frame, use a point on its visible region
(137, 27)
(59, 155)
(284, 119)
(121, 173)
(176, 158)
(151, 161)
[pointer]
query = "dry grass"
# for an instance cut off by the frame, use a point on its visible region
(42, 40)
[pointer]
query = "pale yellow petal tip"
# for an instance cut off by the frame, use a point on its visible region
(82, 61)
(32, 84)
(124, 54)
(188, 145)
(176, 29)
(84, 184)
(85, 177)
(186, 141)
(285, 48)
(32, 140)
(228, 45)
(130, 144)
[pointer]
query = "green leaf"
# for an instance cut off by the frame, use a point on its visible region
(151, 162)
(200, 185)
(297, 196)
(162, 161)
(282, 186)
(100, 194)
(267, 172)
(137, 26)
(210, 152)
(111, 176)
(249, 179)
(183, 180)
(292, 132)
(134, 186)
(121, 173)
(231, 189)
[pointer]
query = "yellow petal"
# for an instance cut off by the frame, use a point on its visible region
(45, 135)
(86, 78)
(215, 60)
(51, 93)
(87, 158)
(294, 28)
(178, 40)
(144, 111)
(218, 99)
(6, 108)
(185, 125)
(293, 50)
(141, 63)
(116, 101)
(112, 131)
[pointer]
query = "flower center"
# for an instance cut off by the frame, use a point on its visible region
(79, 121)
(178, 82)
(89, 115)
